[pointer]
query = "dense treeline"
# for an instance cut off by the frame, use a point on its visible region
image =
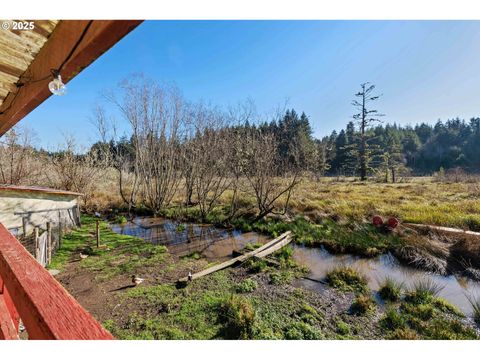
(421, 149)
(418, 150)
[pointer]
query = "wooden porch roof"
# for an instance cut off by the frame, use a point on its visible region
(27, 58)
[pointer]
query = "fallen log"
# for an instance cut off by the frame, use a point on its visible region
(443, 229)
(240, 259)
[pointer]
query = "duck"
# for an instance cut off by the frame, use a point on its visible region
(190, 276)
(83, 256)
(136, 280)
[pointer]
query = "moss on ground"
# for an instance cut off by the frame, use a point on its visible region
(433, 318)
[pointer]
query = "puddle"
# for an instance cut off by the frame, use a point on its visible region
(185, 238)
(217, 244)
(320, 261)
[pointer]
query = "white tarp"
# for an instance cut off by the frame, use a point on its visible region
(42, 249)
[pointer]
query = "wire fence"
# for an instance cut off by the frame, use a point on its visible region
(44, 239)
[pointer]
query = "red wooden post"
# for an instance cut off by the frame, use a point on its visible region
(46, 308)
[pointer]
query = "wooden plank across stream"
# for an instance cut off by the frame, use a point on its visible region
(262, 251)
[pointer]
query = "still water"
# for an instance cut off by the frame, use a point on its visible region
(217, 244)
(185, 238)
(320, 261)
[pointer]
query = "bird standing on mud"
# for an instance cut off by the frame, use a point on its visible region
(136, 280)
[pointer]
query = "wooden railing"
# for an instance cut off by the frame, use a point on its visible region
(28, 292)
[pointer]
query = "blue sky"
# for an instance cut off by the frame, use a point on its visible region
(426, 70)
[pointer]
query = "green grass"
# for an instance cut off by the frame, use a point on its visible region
(347, 279)
(209, 308)
(117, 254)
(362, 239)
(246, 286)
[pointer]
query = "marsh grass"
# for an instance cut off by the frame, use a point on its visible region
(347, 279)
(423, 315)
(391, 289)
(475, 303)
(363, 305)
(238, 316)
(423, 291)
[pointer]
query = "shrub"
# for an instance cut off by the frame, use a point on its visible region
(391, 290)
(347, 279)
(238, 317)
(362, 305)
(424, 291)
(246, 286)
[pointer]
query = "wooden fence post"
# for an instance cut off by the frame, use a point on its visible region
(36, 242)
(60, 230)
(24, 226)
(98, 232)
(49, 242)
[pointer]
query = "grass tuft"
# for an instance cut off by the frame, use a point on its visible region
(363, 304)
(238, 316)
(423, 291)
(391, 289)
(347, 279)
(475, 302)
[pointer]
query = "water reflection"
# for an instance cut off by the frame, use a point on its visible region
(184, 238)
(320, 261)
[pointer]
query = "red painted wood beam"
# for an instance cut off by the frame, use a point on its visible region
(8, 329)
(100, 36)
(47, 310)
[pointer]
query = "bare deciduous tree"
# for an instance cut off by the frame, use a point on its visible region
(268, 178)
(17, 164)
(73, 171)
(155, 115)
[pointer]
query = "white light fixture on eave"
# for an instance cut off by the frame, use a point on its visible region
(56, 86)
